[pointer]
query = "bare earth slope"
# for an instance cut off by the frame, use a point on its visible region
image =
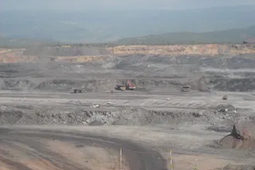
(27, 149)
(206, 49)
(219, 67)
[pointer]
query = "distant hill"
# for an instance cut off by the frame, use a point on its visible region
(104, 26)
(214, 37)
(232, 36)
(23, 42)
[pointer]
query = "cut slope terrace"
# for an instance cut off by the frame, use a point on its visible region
(89, 54)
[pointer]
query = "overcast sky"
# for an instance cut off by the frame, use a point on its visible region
(118, 4)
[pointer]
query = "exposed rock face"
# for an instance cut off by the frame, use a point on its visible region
(241, 137)
(65, 51)
(204, 49)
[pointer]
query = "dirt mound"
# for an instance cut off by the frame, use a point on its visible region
(83, 115)
(241, 137)
(65, 51)
(76, 112)
(225, 108)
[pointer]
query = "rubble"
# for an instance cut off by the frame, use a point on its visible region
(46, 115)
(224, 108)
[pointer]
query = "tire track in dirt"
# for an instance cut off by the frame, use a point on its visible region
(26, 149)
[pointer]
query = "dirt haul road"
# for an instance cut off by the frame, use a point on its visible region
(38, 149)
(86, 146)
(79, 148)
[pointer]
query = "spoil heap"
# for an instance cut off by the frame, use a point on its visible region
(241, 137)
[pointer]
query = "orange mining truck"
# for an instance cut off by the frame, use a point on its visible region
(126, 86)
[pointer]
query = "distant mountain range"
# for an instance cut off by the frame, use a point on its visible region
(105, 26)
(23, 42)
(214, 37)
(231, 36)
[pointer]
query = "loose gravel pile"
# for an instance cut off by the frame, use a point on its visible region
(94, 115)
(241, 137)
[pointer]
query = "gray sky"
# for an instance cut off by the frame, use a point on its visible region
(118, 4)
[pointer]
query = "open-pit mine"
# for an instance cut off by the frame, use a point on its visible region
(127, 107)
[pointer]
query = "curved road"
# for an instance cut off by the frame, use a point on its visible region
(37, 149)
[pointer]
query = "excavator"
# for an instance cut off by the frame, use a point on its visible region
(126, 86)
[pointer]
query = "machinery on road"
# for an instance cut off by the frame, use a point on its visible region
(225, 97)
(77, 91)
(186, 88)
(127, 85)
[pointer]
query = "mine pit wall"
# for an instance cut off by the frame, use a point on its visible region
(102, 85)
(87, 85)
(65, 51)
(149, 84)
(203, 49)
(151, 68)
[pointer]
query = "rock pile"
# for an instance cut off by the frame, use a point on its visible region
(69, 115)
(241, 137)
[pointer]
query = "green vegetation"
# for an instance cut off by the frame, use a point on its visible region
(233, 36)
(215, 37)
